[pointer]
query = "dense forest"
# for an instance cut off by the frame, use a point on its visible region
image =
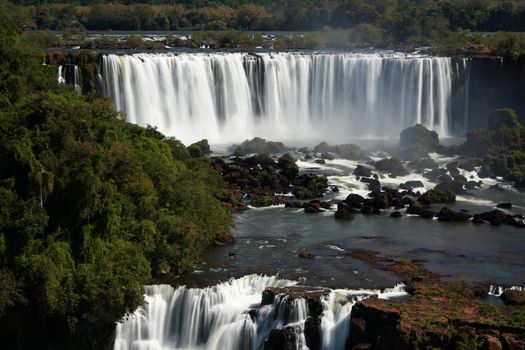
(402, 17)
(91, 207)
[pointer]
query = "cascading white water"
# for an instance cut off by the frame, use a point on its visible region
(228, 97)
(76, 79)
(70, 74)
(229, 316)
(61, 75)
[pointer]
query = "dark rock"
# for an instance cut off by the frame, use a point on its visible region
(434, 174)
(369, 210)
(313, 207)
(470, 185)
(328, 156)
(381, 200)
(407, 201)
(470, 164)
(421, 164)
(325, 205)
(224, 238)
(349, 151)
(308, 157)
(263, 199)
(428, 214)
(199, 148)
(393, 166)
(293, 204)
(396, 214)
(449, 215)
(513, 297)
(491, 343)
(445, 178)
(362, 171)
(485, 171)
(410, 185)
(415, 209)
(259, 145)
(460, 179)
(306, 255)
(419, 135)
(312, 332)
(308, 186)
(268, 297)
(355, 200)
(373, 184)
(437, 196)
(287, 167)
(495, 217)
(505, 205)
(320, 161)
(453, 168)
(344, 212)
(281, 339)
(503, 118)
(453, 186)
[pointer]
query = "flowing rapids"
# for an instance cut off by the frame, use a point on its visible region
(228, 97)
(230, 316)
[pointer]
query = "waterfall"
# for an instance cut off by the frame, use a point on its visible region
(230, 316)
(227, 97)
(70, 75)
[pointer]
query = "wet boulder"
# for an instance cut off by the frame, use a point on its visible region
(504, 205)
(199, 149)
(470, 164)
(435, 174)
(373, 184)
(419, 135)
(308, 186)
(369, 210)
(305, 254)
(415, 209)
(327, 156)
(380, 200)
(410, 185)
(392, 166)
(420, 165)
(513, 297)
(313, 207)
(224, 238)
(362, 171)
(437, 196)
(287, 167)
(452, 186)
(470, 185)
(355, 200)
(495, 217)
(448, 215)
(281, 339)
(344, 212)
(259, 145)
(396, 214)
(263, 199)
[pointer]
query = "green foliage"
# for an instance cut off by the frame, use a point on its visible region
(91, 207)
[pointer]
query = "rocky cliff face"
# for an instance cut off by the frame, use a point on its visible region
(495, 83)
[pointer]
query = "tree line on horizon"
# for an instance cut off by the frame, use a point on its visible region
(403, 18)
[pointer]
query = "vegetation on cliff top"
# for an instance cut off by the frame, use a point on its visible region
(91, 207)
(449, 25)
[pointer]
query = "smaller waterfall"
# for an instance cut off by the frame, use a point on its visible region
(70, 75)
(76, 80)
(498, 290)
(230, 316)
(61, 75)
